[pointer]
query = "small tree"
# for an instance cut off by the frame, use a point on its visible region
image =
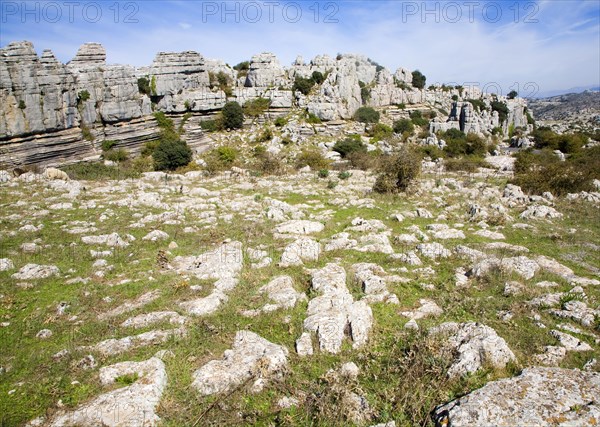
(403, 125)
(418, 79)
(233, 116)
(171, 154)
(303, 85)
(349, 145)
(399, 171)
(366, 115)
(144, 86)
(512, 94)
(318, 77)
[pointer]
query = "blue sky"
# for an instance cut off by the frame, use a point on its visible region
(530, 46)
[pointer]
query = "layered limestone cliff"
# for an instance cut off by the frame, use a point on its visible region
(53, 112)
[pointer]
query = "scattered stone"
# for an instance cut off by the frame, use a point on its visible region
(488, 234)
(35, 271)
(428, 308)
(540, 211)
(433, 250)
(304, 345)
(156, 235)
(299, 227)
(474, 346)
(6, 264)
(281, 290)
(44, 334)
(537, 397)
(147, 319)
(133, 405)
(128, 306)
(570, 342)
(252, 358)
(116, 346)
(303, 249)
(334, 312)
(113, 240)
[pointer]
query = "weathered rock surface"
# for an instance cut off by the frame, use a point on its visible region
(474, 346)
(252, 358)
(537, 397)
(35, 271)
(131, 406)
(335, 311)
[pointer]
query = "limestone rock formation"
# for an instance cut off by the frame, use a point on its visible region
(537, 397)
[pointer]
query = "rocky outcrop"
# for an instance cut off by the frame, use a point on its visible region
(537, 397)
(54, 113)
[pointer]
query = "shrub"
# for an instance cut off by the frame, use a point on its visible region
(318, 77)
(432, 151)
(221, 81)
(171, 154)
(454, 97)
(403, 125)
(401, 106)
(344, 175)
(144, 86)
(465, 164)
(312, 119)
(331, 184)
(210, 125)
(242, 68)
(303, 85)
(22, 105)
(83, 96)
(477, 104)
(269, 164)
(349, 145)
(366, 115)
(380, 132)
(232, 116)
(417, 118)
(226, 154)
(364, 160)
(107, 144)
(323, 173)
(280, 122)
(399, 171)
(149, 148)
(118, 155)
(502, 110)
(543, 171)
(312, 157)
(458, 144)
(418, 79)
(256, 107)
(265, 135)
(512, 94)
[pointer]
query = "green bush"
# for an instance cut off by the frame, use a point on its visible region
(312, 157)
(344, 175)
(502, 110)
(366, 115)
(365, 160)
(232, 116)
(269, 164)
(312, 119)
(417, 118)
(144, 86)
(149, 148)
(478, 104)
(265, 135)
(242, 68)
(171, 154)
(318, 77)
(465, 164)
(323, 173)
(118, 155)
(210, 125)
(256, 107)
(226, 154)
(380, 132)
(221, 81)
(401, 106)
(418, 79)
(303, 85)
(349, 145)
(512, 94)
(458, 144)
(280, 122)
(107, 144)
(399, 171)
(403, 125)
(538, 172)
(83, 96)
(433, 151)
(22, 105)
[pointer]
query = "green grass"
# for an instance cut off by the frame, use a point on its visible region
(402, 376)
